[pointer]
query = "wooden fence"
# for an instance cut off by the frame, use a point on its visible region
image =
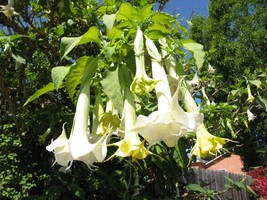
(214, 180)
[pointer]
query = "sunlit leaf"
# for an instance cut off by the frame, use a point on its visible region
(112, 88)
(257, 83)
(125, 12)
(49, 87)
(158, 27)
(146, 12)
(58, 74)
(196, 49)
(75, 74)
(68, 43)
(163, 18)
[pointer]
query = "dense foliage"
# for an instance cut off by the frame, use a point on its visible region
(234, 37)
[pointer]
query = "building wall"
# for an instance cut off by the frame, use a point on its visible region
(232, 164)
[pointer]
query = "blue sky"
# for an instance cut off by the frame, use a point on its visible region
(185, 7)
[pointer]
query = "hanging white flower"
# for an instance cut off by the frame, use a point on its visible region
(170, 121)
(250, 115)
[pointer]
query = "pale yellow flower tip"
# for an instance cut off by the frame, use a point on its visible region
(207, 144)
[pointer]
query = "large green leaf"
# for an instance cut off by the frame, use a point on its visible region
(125, 12)
(196, 49)
(49, 87)
(91, 67)
(180, 154)
(58, 74)
(112, 88)
(75, 74)
(68, 43)
(146, 12)
(256, 82)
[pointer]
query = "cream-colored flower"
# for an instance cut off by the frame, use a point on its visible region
(60, 147)
(207, 144)
(251, 116)
(170, 121)
(250, 98)
(81, 145)
(142, 84)
(8, 10)
(130, 145)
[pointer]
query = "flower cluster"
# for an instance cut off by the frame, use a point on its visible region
(167, 123)
(259, 183)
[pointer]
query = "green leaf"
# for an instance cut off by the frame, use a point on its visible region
(76, 190)
(195, 188)
(112, 88)
(257, 83)
(75, 74)
(92, 35)
(125, 12)
(114, 34)
(12, 37)
(58, 74)
(91, 67)
(68, 43)
(229, 126)
(240, 185)
(109, 20)
(146, 12)
(263, 103)
(196, 49)
(180, 154)
(49, 87)
(163, 18)
(18, 57)
(158, 27)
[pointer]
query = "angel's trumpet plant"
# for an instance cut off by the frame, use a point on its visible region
(142, 83)
(80, 147)
(130, 145)
(104, 122)
(169, 60)
(206, 143)
(8, 10)
(60, 147)
(250, 98)
(170, 121)
(250, 115)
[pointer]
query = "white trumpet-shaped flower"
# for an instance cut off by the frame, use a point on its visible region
(206, 143)
(81, 145)
(250, 98)
(251, 116)
(60, 147)
(170, 121)
(130, 145)
(142, 83)
(8, 9)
